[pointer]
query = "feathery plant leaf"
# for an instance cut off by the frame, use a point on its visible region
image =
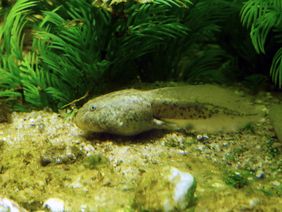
(276, 68)
(77, 45)
(172, 60)
(252, 10)
(11, 48)
(11, 32)
(145, 27)
(261, 28)
(264, 17)
(205, 67)
(68, 46)
(261, 16)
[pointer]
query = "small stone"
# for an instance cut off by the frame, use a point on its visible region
(59, 160)
(44, 161)
(9, 205)
(260, 174)
(84, 208)
(54, 205)
(89, 148)
(184, 153)
(203, 137)
(41, 127)
(225, 144)
(254, 202)
(184, 189)
(173, 190)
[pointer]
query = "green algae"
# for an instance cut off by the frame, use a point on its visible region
(236, 179)
(249, 127)
(30, 184)
(95, 161)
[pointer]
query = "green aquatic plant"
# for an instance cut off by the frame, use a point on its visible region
(272, 190)
(53, 72)
(75, 46)
(264, 18)
(235, 153)
(236, 179)
(197, 56)
(94, 161)
(53, 53)
(249, 127)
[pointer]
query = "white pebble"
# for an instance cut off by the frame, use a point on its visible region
(202, 137)
(54, 205)
(254, 202)
(260, 174)
(89, 148)
(9, 205)
(83, 208)
(184, 182)
(184, 188)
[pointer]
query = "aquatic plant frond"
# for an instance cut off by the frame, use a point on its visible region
(171, 3)
(148, 26)
(11, 33)
(261, 16)
(207, 66)
(76, 47)
(265, 17)
(261, 28)
(276, 68)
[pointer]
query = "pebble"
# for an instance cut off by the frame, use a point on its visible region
(260, 174)
(84, 208)
(254, 202)
(203, 137)
(184, 188)
(173, 190)
(54, 205)
(60, 155)
(9, 205)
(89, 148)
(44, 161)
(225, 144)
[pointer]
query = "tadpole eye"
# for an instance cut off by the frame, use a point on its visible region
(93, 107)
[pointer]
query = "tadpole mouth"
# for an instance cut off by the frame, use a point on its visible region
(78, 120)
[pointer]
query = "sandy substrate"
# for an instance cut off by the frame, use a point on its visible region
(43, 155)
